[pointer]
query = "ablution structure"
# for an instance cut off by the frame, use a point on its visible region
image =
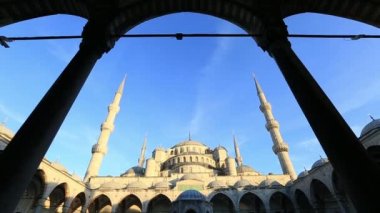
(353, 165)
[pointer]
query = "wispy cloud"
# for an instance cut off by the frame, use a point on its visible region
(12, 115)
(62, 52)
(203, 105)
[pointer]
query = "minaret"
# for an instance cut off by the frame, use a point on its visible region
(280, 148)
(142, 153)
(100, 148)
(239, 159)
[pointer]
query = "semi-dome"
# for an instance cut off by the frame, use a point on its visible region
(191, 177)
(245, 168)
(112, 185)
(319, 163)
(191, 195)
(217, 184)
(268, 183)
(137, 185)
(242, 183)
(374, 124)
(134, 171)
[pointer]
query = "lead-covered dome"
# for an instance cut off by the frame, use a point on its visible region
(189, 143)
(373, 125)
(217, 184)
(191, 177)
(319, 163)
(6, 133)
(242, 184)
(191, 195)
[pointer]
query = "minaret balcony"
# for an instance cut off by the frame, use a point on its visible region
(113, 108)
(271, 124)
(282, 147)
(265, 107)
(107, 126)
(96, 148)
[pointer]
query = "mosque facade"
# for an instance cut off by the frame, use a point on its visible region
(190, 177)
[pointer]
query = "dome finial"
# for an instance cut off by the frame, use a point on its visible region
(371, 117)
(189, 139)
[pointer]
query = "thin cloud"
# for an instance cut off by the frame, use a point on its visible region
(12, 115)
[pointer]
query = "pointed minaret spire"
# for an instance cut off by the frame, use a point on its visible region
(238, 158)
(142, 153)
(280, 148)
(100, 148)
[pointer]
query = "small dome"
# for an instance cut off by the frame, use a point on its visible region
(270, 184)
(191, 177)
(319, 163)
(217, 184)
(374, 124)
(303, 174)
(134, 171)
(112, 185)
(6, 133)
(221, 148)
(242, 183)
(59, 166)
(137, 185)
(162, 185)
(245, 168)
(191, 195)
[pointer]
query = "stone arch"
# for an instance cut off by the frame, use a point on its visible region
(302, 201)
(101, 204)
(324, 200)
(33, 193)
(57, 197)
(374, 153)
(280, 203)
(222, 203)
(130, 204)
(250, 202)
(339, 191)
(159, 204)
(78, 203)
(191, 211)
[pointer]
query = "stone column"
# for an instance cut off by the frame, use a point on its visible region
(358, 172)
(22, 156)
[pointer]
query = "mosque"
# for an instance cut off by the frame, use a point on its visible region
(190, 177)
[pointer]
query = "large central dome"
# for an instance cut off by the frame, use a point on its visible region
(189, 143)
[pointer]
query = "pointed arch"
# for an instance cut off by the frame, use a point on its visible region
(322, 197)
(159, 204)
(303, 202)
(340, 192)
(250, 202)
(280, 203)
(77, 204)
(130, 204)
(57, 197)
(33, 193)
(222, 203)
(101, 204)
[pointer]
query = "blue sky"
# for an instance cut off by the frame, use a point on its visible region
(201, 85)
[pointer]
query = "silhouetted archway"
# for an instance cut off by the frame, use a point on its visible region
(159, 204)
(374, 152)
(191, 211)
(221, 203)
(250, 203)
(130, 204)
(78, 203)
(280, 203)
(323, 198)
(33, 193)
(303, 202)
(101, 204)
